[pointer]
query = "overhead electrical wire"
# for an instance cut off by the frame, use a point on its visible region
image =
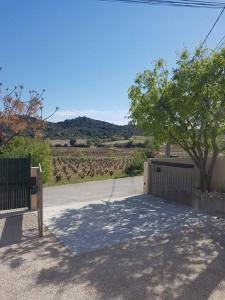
(180, 3)
(214, 24)
(220, 44)
(186, 3)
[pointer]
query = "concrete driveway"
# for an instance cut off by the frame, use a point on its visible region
(186, 264)
(133, 247)
(63, 203)
(67, 195)
(92, 216)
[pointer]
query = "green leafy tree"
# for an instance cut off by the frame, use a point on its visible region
(72, 142)
(39, 150)
(89, 143)
(95, 142)
(185, 106)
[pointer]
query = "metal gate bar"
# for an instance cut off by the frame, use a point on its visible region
(15, 183)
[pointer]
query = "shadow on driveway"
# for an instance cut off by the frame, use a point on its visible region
(158, 251)
(104, 224)
(12, 231)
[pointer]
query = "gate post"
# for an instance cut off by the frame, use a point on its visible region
(167, 150)
(147, 177)
(40, 202)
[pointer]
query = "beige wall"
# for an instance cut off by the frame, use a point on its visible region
(218, 179)
(146, 181)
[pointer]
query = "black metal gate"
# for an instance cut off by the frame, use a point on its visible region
(15, 183)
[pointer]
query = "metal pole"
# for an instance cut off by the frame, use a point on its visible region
(40, 202)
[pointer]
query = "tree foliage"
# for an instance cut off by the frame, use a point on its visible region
(38, 149)
(185, 106)
(17, 115)
(136, 167)
(72, 142)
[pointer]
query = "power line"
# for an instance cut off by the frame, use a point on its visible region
(179, 3)
(185, 3)
(220, 44)
(210, 31)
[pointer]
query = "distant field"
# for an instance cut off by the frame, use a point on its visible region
(74, 164)
(134, 139)
(54, 142)
(67, 169)
(62, 142)
(92, 152)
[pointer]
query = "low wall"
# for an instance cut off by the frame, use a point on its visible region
(211, 202)
(218, 178)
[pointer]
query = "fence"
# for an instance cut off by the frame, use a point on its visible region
(21, 187)
(15, 183)
(177, 180)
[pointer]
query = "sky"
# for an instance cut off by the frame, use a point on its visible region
(86, 53)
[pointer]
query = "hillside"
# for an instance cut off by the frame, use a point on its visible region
(84, 127)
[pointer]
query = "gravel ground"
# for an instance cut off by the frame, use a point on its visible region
(86, 227)
(185, 262)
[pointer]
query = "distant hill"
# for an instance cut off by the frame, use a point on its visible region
(84, 127)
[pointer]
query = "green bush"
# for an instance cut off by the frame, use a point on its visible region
(136, 167)
(39, 150)
(72, 142)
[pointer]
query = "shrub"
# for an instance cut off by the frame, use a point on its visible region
(137, 164)
(72, 142)
(39, 150)
(129, 144)
(140, 145)
(82, 145)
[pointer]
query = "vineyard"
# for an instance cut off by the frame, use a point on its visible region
(68, 168)
(92, 152)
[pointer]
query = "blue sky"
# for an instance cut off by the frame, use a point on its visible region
(86, 53)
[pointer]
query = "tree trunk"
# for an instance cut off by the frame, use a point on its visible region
(202, 180)
(206, 172)
(211, 169)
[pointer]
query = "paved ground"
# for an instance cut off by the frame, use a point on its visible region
(66, 211)
(92, 191)
(186, 264)
(131, 247)
(93, 225)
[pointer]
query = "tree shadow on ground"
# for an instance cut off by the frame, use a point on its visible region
(100, 225)
(12, 231)
(180, 254)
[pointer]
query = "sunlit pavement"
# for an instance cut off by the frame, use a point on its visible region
(86, 224)
(72, 194)
(132, 247)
